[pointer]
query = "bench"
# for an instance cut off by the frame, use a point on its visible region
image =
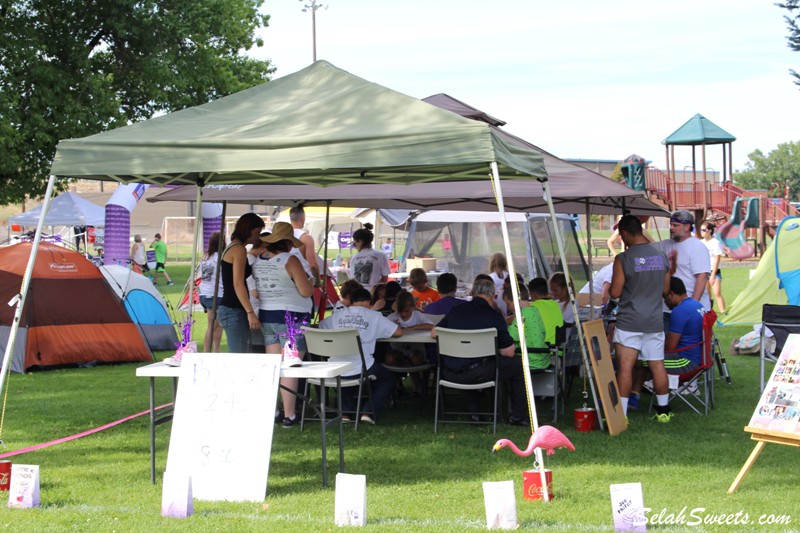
(600, 244)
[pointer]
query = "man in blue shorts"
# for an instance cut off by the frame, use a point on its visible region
(685, 330)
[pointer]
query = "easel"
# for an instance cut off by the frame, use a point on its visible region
(763, 436)
(764, 417)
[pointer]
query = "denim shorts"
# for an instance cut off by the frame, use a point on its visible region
(207, 302)
(276, 332)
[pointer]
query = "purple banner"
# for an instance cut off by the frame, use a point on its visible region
(117, 246)
(210, 225)
(345, 239)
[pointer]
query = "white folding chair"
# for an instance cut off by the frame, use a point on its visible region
(466, 344)
(341, 344)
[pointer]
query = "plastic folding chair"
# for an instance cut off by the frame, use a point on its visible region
(342, 344)
(466, 344)
(781, 321)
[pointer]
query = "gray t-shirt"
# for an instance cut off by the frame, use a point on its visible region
(645, 267)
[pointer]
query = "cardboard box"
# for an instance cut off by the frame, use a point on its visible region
(425, 263)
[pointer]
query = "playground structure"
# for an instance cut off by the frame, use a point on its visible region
(744, 218)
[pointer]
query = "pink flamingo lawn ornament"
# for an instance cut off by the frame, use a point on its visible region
(546, 437)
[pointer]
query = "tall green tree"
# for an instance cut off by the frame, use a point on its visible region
(71, 68)
(793, 22)
(780, 166)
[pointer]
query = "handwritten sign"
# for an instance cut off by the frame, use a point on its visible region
(627, 506)
(223, 422)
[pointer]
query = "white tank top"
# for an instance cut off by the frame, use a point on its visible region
(276, 289)
(296, 251)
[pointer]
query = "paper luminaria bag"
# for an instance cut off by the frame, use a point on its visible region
(24, 490)
(501, 504)
(350, 508)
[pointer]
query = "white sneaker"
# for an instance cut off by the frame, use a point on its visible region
(175, 360)
(691, 390)
(293, 361)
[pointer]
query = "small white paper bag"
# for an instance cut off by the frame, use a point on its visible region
(627, 506)
(24, 489)
(501, 504)
(350, 508)
(176, 495)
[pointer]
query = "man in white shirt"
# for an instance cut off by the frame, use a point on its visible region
(688, 257)
(297, 217)
(371, 326)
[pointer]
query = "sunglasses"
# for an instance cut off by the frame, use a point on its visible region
(702, 230)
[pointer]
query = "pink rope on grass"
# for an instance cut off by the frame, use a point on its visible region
(79, 435)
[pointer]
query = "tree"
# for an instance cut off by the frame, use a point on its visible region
(780, 166)
(72, 68)
(793, 22)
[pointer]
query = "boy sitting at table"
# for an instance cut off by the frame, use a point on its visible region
(423, 293)
(371, 326)
(538, 356)
(409, 353)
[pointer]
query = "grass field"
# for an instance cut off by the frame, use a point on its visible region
(416, 481)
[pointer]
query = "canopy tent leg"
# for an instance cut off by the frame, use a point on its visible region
(198, 228)
(591, 266)
(526, 369)
(217, 274)
(563, 256)
(20, 298)
(323, 300)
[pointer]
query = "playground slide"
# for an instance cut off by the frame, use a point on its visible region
(734, 243)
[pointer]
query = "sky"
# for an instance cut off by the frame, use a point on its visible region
(582, 79)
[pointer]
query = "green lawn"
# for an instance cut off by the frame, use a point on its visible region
(416, 481)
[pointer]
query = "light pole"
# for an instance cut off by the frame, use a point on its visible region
(313, 6)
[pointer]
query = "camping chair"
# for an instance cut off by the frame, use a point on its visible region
(549, 382)
(466, 344)
(342, 344)
(423, 368)
(781, 321)
(696, 387)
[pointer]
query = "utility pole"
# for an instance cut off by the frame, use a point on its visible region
(313, 6)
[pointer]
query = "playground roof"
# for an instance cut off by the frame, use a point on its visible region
(699, 130)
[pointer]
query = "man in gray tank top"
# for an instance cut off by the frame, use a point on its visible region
(640, 281)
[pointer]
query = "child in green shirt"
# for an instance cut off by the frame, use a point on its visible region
(534, 328)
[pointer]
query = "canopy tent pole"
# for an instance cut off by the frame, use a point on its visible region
(526, 369)
(323, 301)
(220, 247)
(591, 267)
(563, 255)
(198, 226)
(19, 299)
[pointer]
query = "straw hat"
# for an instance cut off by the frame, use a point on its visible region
(282, 231)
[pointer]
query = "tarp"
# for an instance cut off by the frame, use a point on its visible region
(70, 316)
(765, 286)
(320, 125)
(144, 304)
(68, 209)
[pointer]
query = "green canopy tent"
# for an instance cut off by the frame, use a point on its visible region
(320, 126)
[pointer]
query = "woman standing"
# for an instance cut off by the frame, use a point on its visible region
(138, 255)
(208, 274)
(234, 311)
(715, 253)
(368, 267)
(284, 292)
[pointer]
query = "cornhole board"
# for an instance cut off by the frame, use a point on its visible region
(604, 377)
(776, 418)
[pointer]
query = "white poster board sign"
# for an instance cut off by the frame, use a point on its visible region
(222, 426)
